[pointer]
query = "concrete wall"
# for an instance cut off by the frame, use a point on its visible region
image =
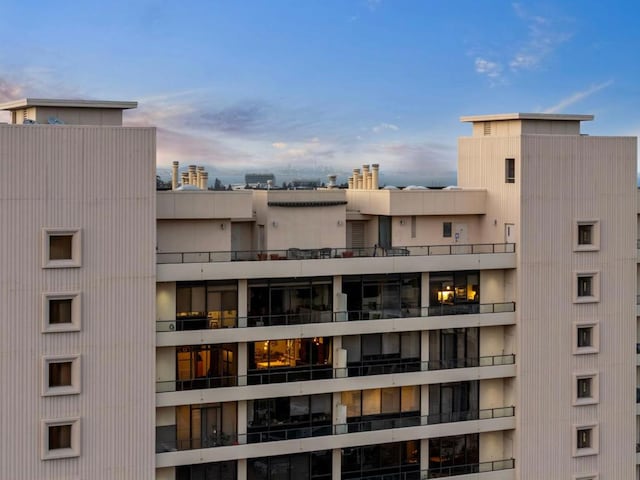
(100, 181)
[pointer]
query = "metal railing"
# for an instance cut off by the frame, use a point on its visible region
(482, 467)
(325, 253)
(469, 362)
(326, 316)
(379, 367)
(205, 441)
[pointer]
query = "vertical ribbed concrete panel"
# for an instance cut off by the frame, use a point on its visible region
(99, 180)
(560, 179)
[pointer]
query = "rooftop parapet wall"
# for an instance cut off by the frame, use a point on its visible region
(417, 202)
(204, 205)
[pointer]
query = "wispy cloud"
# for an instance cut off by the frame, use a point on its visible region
(493, 70)
(577, 97)
(385, 127)
(543, 37)
(373, 4)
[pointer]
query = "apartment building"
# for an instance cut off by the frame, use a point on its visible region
(483, 331)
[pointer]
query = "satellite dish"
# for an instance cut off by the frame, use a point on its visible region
(28, 121)
(54, 121)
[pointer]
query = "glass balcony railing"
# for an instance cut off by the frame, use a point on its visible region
(325, 253)
(325, 316)
(470, 362)
(445, 471)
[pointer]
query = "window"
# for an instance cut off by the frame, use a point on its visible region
(446, 229)
(61, 375)
(60, 438)
(585, 338)
(61, 248)
(585, 389)
(586, 287)
(510, 170)
(586, 235)
(60, 312)
(585, 440)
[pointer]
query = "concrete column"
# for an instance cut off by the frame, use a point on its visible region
(350, 183)
(375, 181)
(369, 181)
(204, 180)
(185, 178)
(336, 464)
(242, 469)
(242, 363)
(356, 178)
(174, 175)
(192, 175)
(424, 454)
(424, 291)
(243, 301)
(242, 422)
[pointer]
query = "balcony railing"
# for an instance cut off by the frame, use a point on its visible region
(483, 467)
(322, 372)
(324, 253)
(272, 434)
(182, 324)
(470, 362)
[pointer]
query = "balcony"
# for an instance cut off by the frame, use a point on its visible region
(474, 468)
(326, 253)
(325, 316)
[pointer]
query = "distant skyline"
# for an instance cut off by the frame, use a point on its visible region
(326, 86)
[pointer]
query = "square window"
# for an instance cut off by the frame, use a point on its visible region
(586, 235)
(61, 248)
(446, 229)
(584, 388)
(61, 312)
(61, 375)
(586, 287)
(60, 438)
(584, 437)
(585, 338)
(510, 170)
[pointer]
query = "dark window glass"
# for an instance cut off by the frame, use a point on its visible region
(446, 229)
(60, 310)
(585, 336)
(60, 247)
(584, 388)
(585, 234)
(584, 438)
(59, 436)
(60, 374)
(510, 170)
(585, 286)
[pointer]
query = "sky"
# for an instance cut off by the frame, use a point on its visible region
(305, 88)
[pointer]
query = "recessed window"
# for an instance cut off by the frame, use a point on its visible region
(60, 438)
(584, 387)
(586, 235)
(446, 229)
(585, 338)
(584, 437)
(61, 312)
(585, 440)
(61, 375)
(510, 170)
(586, 287)
(61, 248)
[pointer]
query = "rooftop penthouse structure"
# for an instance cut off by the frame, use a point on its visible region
(479, 332)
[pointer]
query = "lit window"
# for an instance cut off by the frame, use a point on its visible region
(446, 229)
(61, 312)
(60, 438)
(61, 375)
(510, 170)
(61, 248)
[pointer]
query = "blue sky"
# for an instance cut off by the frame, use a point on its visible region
(305, 88)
